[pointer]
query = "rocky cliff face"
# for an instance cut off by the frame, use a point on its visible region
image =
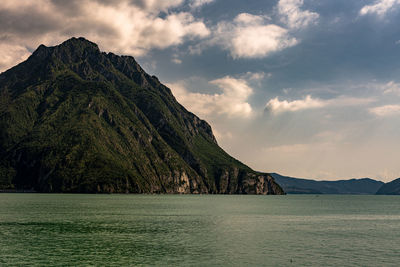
(75, 119)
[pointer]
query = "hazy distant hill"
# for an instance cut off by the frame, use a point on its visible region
(391, 188)
(304, 186)
(75, 119)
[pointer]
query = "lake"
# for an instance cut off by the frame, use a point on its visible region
(199, 230)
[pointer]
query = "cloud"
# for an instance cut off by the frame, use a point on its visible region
(275, 106)
(293, 16)
(10, 54)
(251, 36)
(232, 102)
(223, 135)
(199, 3)
(235, 94)
(391, 88)
(386, 110)
(346, 101)
(135, 27)
(380, 7)
(154, 6)
(300, 148)
(254, 36)
(176, 60)
(256, 76)
(123, 26)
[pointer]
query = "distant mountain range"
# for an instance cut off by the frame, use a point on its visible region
(391, 188)
(75, 119)
(305, 186)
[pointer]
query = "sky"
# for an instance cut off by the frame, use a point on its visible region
(305, 88)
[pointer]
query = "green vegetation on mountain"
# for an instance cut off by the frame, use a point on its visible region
(75, 119)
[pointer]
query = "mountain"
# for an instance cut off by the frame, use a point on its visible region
(304, 186)
(75, 119)
(391, 188)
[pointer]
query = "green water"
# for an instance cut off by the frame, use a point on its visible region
(208, 230)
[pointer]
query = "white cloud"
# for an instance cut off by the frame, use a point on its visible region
(346, 101)
(275, 106)
(223, 135)
(10, 54)
(250, 19)
(391, 88)
(254, 36)
(312, 148)
(293, 148)
(234, 97)
(386, 110)
(176, 58)
(199, 3)
(256, 76)
(177, 61)
(142, 31)
(293, 16)
(232, 102)
(380, 7)
(251, 36)
(126, 27)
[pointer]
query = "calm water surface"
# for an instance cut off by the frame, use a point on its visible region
(208, 230)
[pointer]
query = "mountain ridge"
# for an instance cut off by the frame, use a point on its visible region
(293, 185)
(390, 188)
(75, 119)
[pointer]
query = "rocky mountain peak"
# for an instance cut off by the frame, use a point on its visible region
(72, 50)
(75, 119)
